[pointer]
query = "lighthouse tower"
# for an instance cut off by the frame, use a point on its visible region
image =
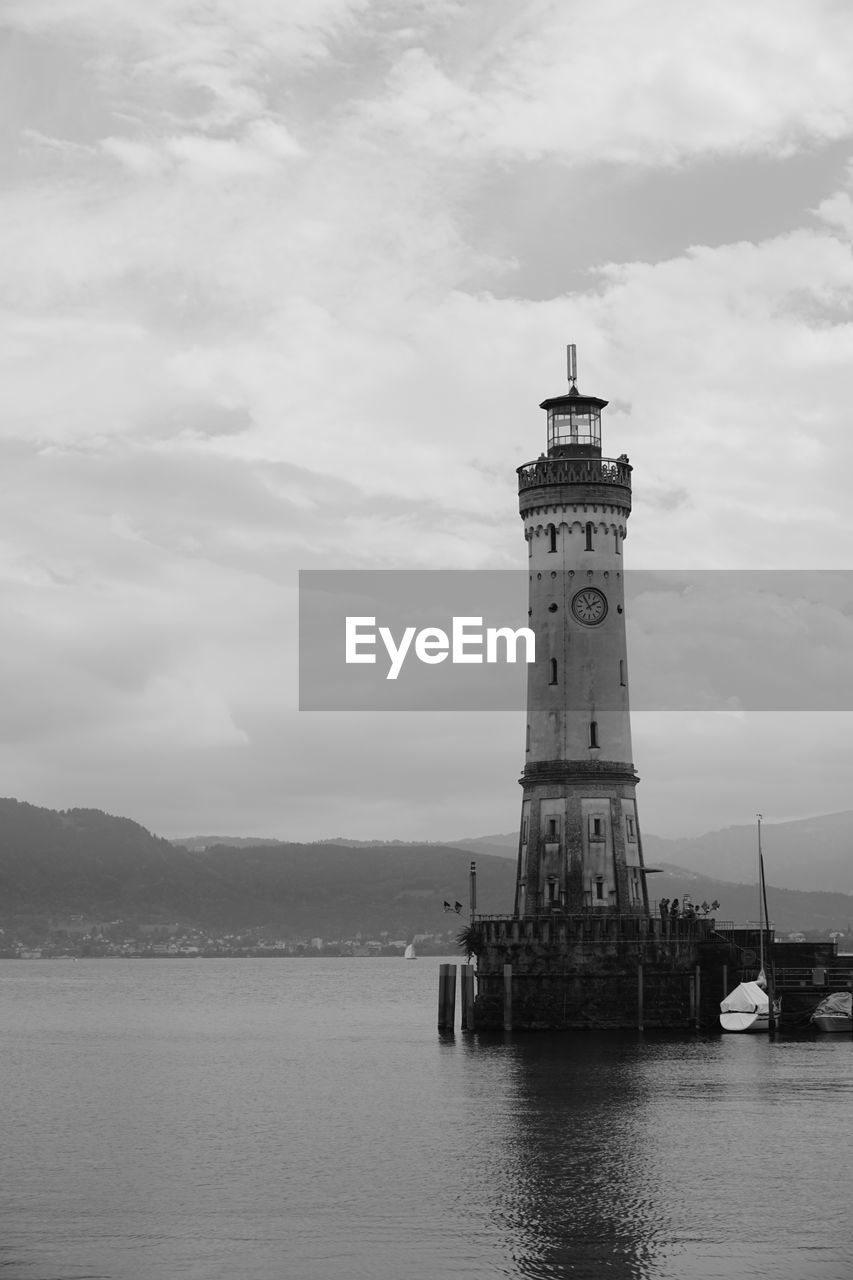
(579, 847)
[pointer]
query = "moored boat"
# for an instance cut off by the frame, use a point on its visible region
(409, 953)
(747, 1008)
(834, 1013)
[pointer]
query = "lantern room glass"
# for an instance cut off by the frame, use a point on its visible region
(571, 426)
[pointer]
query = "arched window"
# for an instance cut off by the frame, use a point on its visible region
(588, 536)
(622, 672)
(593, 733)
(552, 537)
(618, 543)
(553, 671)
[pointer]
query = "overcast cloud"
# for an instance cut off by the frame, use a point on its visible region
(282, 287)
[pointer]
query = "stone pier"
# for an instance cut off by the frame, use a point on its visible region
(608, 971)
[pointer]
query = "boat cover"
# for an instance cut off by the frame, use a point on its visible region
(749, 997)
(839, 1003)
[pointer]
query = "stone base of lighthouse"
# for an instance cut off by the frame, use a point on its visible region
(588, 972)
(579, 847)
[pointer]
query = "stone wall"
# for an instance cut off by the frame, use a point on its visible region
(585, 971)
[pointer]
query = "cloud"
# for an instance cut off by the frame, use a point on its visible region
(632, 84)
(837, 210)
(260, 150)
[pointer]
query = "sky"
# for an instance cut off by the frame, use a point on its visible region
(281, 288)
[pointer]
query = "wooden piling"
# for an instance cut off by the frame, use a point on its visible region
(698, 997)
(446, 997)
(450, 998)
(691, 983)
(507, 997)
(467, 994)
(725, 980)
(639, 997)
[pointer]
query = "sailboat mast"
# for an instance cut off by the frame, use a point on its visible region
(771, 979)
(760, 899)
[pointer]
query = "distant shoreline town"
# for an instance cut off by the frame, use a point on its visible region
(74, 940)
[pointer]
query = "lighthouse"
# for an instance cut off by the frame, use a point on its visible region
(579, 844)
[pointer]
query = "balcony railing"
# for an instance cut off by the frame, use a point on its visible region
(589, 927)
(544, 471)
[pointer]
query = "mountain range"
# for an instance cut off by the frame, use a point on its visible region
(83, 862)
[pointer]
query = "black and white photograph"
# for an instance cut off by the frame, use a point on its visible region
(426, 698)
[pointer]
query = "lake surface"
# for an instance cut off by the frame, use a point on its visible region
(303, 1120)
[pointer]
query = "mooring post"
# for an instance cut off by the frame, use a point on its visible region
(725, 980)
(698, 997)
(691, 985)
(507, 997)
(640, 996)
(467, 972)
(446, 996)
(450, 999)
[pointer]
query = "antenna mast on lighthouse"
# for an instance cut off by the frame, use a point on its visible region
(572, 362)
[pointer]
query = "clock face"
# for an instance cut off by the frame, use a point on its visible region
(589, 606)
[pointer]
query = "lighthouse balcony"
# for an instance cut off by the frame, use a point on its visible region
(575, 470)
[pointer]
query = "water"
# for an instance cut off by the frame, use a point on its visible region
(302, 1120)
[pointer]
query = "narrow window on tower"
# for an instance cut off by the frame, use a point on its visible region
(589, 536)
(593, 733)
(524, 832)
(599, 889)
(552, 537)
(527, 741)
(553, 670)
(553, 832)
(617, 542)
(632, 828)
(622, 672)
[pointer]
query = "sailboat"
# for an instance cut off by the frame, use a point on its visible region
(747, 1008)
(751, 1007)
(409, 953)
